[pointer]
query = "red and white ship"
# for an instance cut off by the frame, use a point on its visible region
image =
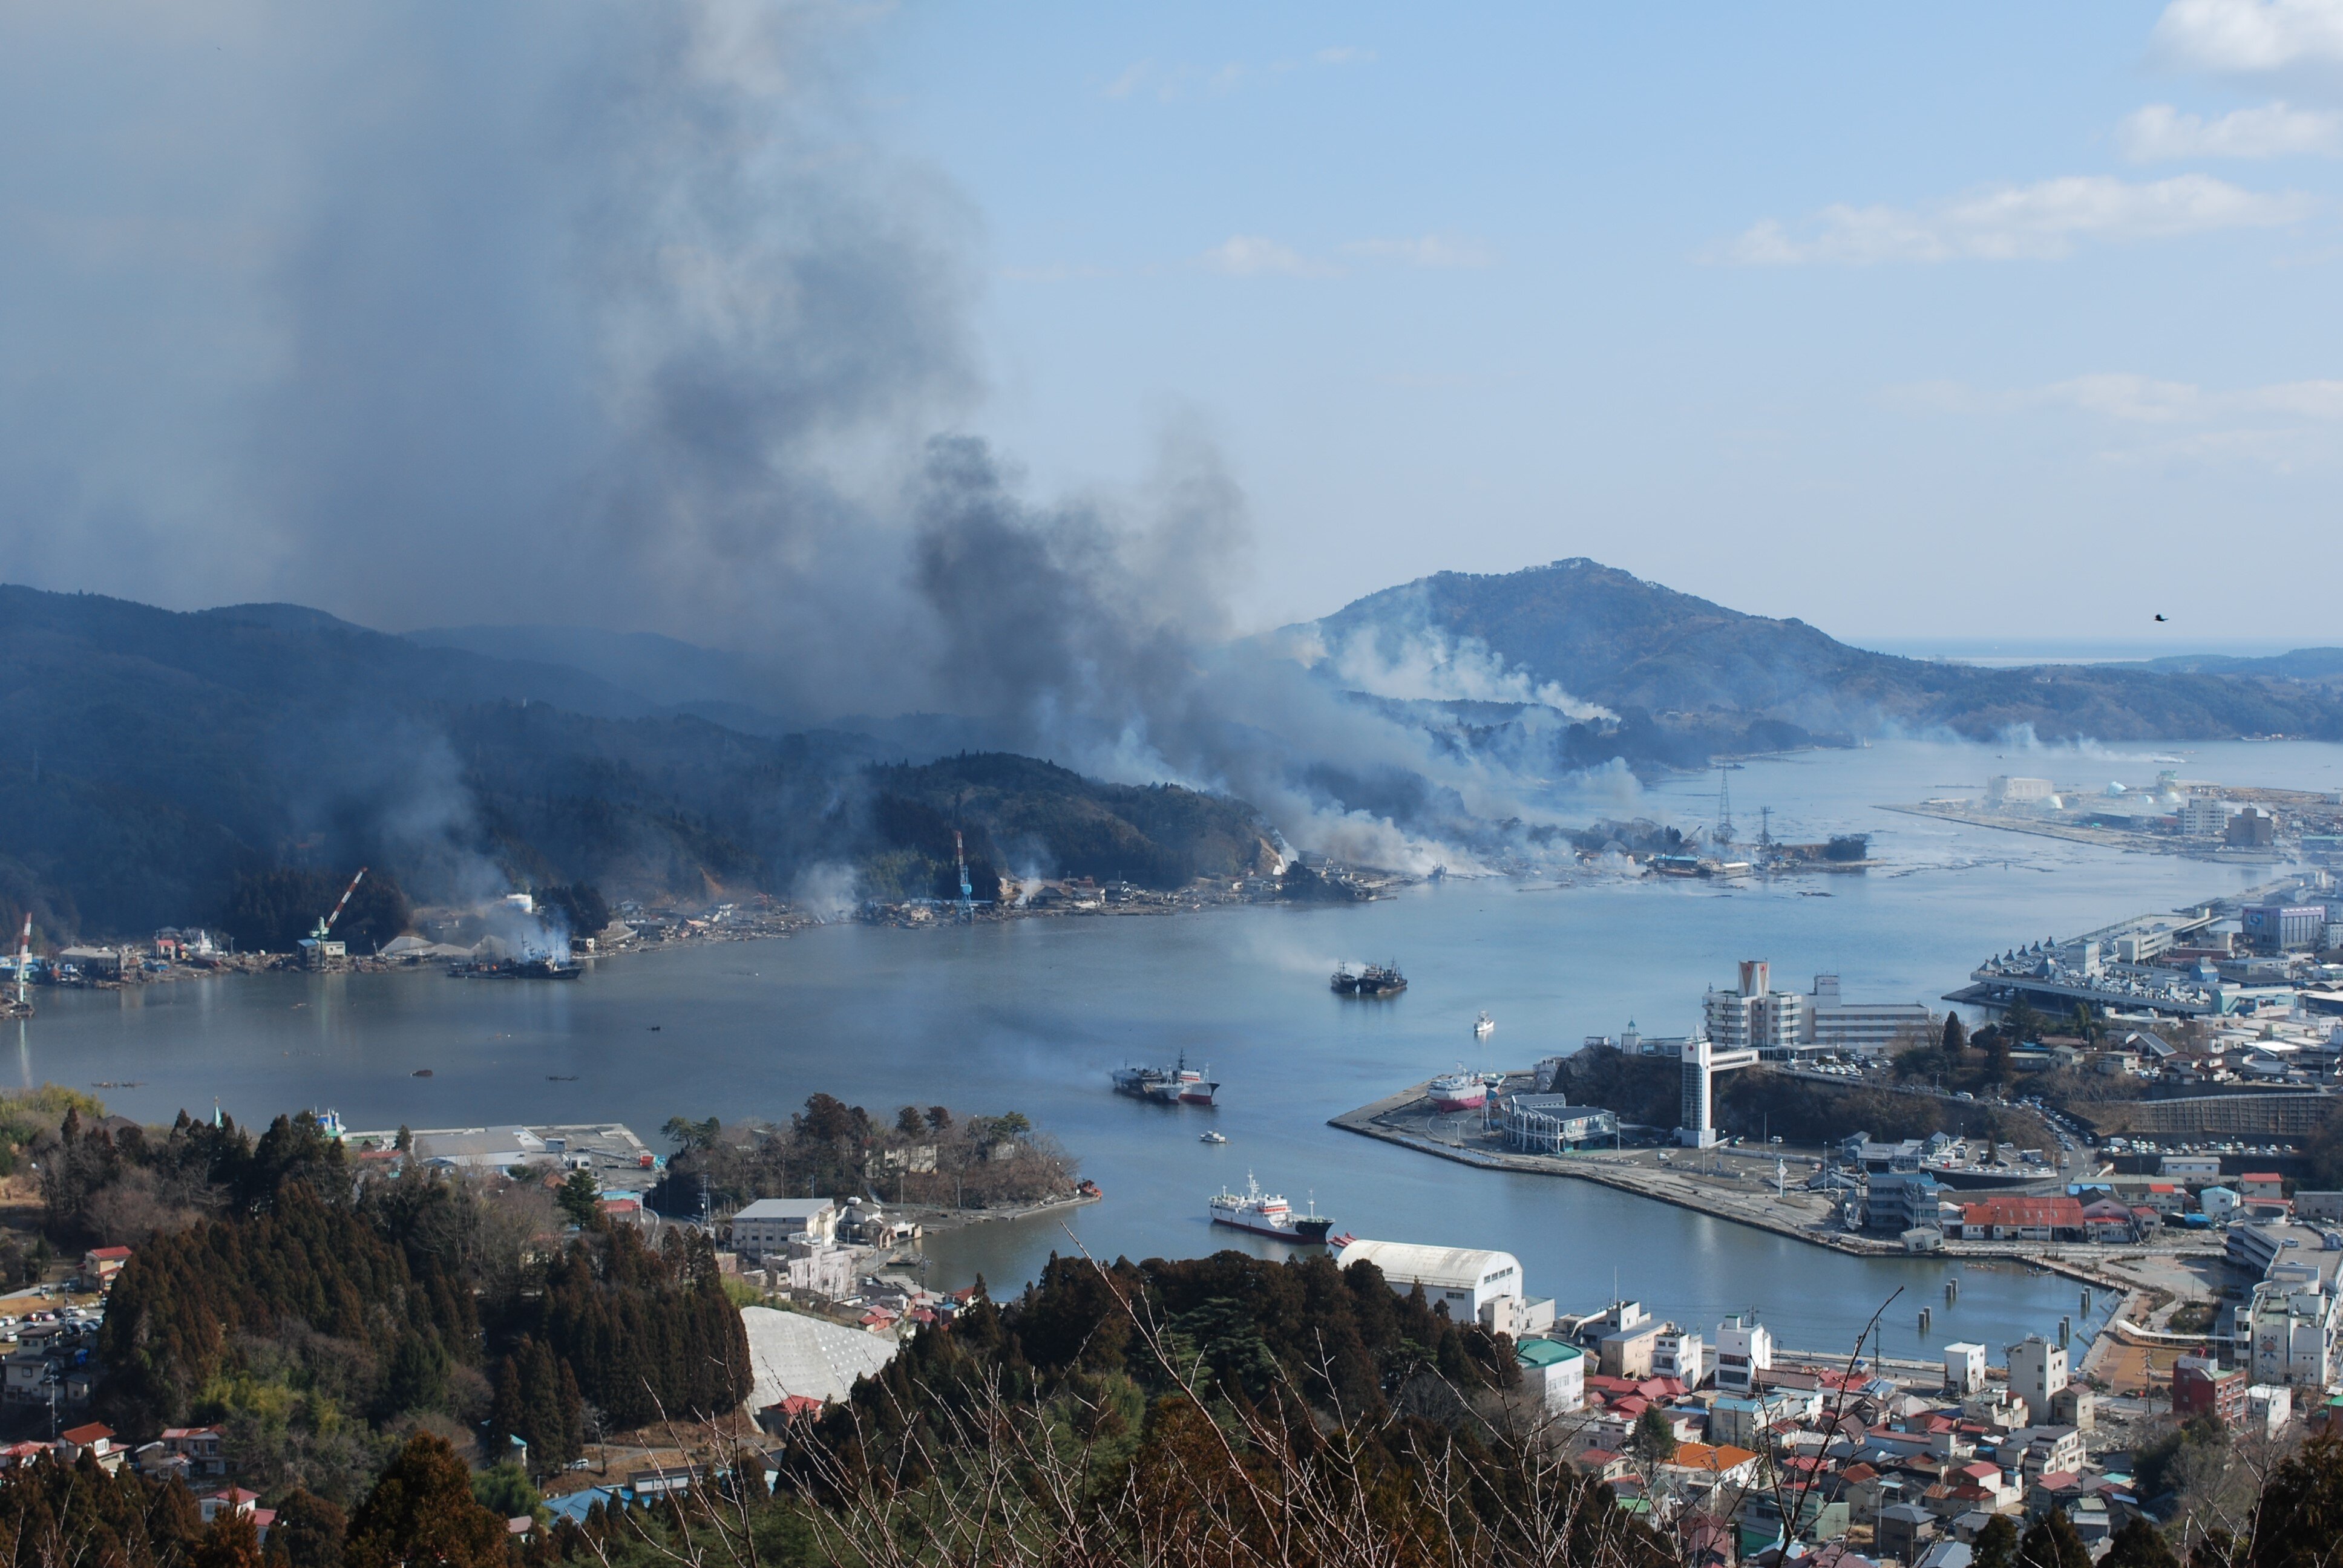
(1458, 1091)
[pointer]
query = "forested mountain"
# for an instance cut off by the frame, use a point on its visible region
(1651, 654)
(151, 761)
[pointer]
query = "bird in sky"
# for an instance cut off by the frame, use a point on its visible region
(2159, 617)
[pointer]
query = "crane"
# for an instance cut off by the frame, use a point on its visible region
(24, 961)
(326, 926)
(967, 888)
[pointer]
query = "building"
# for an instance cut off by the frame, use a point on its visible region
(1554, 1371)
(1904, 1530)
(2294, 1331)
(2266, 1185)
(1756, 1016)
(99, 1265)
(199, 1446)
(1465, 1280)
(2283, 928)
(770, 1224)
(2251, 829)
(94, 963)
(1627, 1353)
(1895, 1202)
(1964, 1369)
(2190, 1167)
(2004, 790)
(2205, 817)
(2200, 1387)
(2038, 1369)
(2267, 1409)
(1859, 1028)
(1550, 1124)
(2251, 1250)
(1702, 1061)
(2011, 1218)
(1744, 1353)
(1679, 1352)
(2219, 1203)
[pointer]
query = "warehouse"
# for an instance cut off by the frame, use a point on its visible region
(1467, 1279)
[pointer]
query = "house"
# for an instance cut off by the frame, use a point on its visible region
(100, 1265)
(2265, 1184)
(1904, 1530)
(1712, 1465)
(2200, 1387)
(96, 1439)
(199, 1446)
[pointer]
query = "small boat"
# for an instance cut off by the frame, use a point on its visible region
(1214, 1138)
(1484, 1026)
(420, 1073)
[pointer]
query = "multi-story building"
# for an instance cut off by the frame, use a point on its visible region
(1773, 1023)
(1680, 1353)
(2282, 928)
(1859, 1028)
(2206, 816)
(1895, 1201)
(2038, 1369)
(2200, 1387)
(1744, 1353)
(1964, 1368)
(2004, 790)
(1554, 1371)
(1550, 1124)
(2293, 1332)
(770, 1224)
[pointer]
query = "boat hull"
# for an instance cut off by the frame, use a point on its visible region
(1304, 1231)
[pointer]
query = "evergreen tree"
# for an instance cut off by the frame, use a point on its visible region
(232, 1541)
(2053, 1543)
(1956, 1038)
(308, 1533)
(581, 1199)
(422, 1510)
(2138, 1545)
(1996, 1545)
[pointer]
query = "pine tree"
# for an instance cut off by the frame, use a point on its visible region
(422, 1510)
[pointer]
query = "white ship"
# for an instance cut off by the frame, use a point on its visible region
(1458, 1091)
(1484, 1026)
(1267, 1214)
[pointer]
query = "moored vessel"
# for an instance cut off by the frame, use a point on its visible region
(1375, 979)
(1177, 1085)
(1484, 1026)
(1267, 1214)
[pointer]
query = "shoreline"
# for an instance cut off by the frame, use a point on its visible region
(1367, 1122)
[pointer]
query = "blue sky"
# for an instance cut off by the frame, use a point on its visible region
(1958, 320)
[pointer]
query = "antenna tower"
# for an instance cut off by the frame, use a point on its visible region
(1724, 805)
(1764, 827)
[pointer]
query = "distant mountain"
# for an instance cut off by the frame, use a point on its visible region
(1696, 670)
(2314, 664)
(148, 759)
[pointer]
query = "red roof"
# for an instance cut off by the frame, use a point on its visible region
(83, 1436)
(114, 1254)
(2261, 1176)
(2012, 1211)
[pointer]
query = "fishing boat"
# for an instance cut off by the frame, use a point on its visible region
(1484, 1026)
(1214, 1138)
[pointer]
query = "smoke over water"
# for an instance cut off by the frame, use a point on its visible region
(583, 312)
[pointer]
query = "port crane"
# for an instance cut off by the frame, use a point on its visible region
(326, 923)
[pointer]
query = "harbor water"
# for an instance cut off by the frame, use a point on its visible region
(1032, 1015)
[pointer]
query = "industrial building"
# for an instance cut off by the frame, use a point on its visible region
(1468, 1280)
(1895, 1202)
(771, 1224)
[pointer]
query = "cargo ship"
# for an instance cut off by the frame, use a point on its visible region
(1458, 1092)
(1375, 979)
(1179, 1085)
(1267, 1214)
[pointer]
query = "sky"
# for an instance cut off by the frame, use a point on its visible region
(1985, 322)
(1911, 321)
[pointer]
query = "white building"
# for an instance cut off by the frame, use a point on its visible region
(1680, 1353)
(1467, 1279)
(2038, 1369)
(1859, 1028)
(2269, 1409)
(2004, 790)
(1964, 1368)
(1696, 1101)
(1756, 1016)
(2205, 816)
(770, 1224)
(2294, 1328)
(1744, 1353)
(1554, 1371)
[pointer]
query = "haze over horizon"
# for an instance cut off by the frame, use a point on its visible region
(648, 322)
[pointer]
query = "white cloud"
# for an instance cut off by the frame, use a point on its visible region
(2251, 35)
(1426, 250)
(1345, 54)
(2037, 222)
(2143, 399)
(1254, 255)
(2161, 132)
(1132, 78)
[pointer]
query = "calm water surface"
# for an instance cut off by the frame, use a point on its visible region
(1032, 1015)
